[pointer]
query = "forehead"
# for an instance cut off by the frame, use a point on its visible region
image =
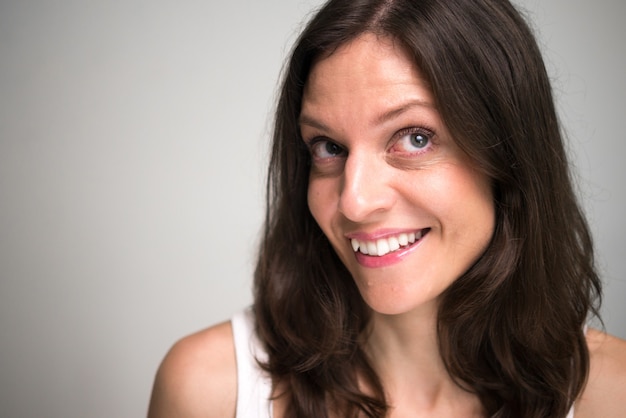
(370, 69)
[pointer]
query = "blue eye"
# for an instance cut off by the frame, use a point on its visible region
(419, 140)
(332, 149)
(413, 140)
(323, 149)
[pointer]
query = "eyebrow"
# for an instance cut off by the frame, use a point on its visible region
(380, 119)
(397, 111)
(307, 120)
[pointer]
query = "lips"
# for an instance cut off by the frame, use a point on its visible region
(386, 245)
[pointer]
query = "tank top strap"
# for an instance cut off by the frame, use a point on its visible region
(254, 386)
(570, 414)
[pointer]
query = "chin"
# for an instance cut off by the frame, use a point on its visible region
(396, 302)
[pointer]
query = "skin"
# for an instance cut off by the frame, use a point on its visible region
(383, 163)
(370, 103)
(363, 110)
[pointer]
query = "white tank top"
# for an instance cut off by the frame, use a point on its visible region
(254, 385)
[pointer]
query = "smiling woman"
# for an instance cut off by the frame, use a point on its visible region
(394, 174)
(424, 253)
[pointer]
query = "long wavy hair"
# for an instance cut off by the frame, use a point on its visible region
(510, 329)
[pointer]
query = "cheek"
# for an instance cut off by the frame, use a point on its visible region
(323, 201)
(318, 202)
(475, 197)
(463, 199)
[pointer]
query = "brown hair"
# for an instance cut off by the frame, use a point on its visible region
(511, 328)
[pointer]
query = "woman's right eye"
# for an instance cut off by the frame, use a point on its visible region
(323, 149)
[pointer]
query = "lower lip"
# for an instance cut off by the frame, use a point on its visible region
(387, 259)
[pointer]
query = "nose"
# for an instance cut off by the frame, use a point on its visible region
(366, 190)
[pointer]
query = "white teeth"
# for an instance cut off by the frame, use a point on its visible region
(384, 246)
(393, 244)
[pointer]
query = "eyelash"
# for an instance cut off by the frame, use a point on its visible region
(317, 142)
(427, 133)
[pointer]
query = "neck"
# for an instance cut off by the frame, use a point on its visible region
(404, 351)
(406, 344)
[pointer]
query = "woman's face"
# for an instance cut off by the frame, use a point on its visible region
(398, 200)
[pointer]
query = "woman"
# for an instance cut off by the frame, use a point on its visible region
(424, 253)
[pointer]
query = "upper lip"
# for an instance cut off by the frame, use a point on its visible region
(379, 234)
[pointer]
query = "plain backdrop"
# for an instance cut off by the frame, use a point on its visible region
(133, 143)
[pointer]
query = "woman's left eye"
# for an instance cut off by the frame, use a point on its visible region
(413, 141)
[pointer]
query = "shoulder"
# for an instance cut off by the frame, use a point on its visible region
(198, 377)
(606, 387)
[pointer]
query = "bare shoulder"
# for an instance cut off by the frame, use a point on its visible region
(198, 377)
(606, 387)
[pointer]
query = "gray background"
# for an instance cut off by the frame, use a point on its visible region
(133, 139)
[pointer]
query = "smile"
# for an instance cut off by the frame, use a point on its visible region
(384, 246)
